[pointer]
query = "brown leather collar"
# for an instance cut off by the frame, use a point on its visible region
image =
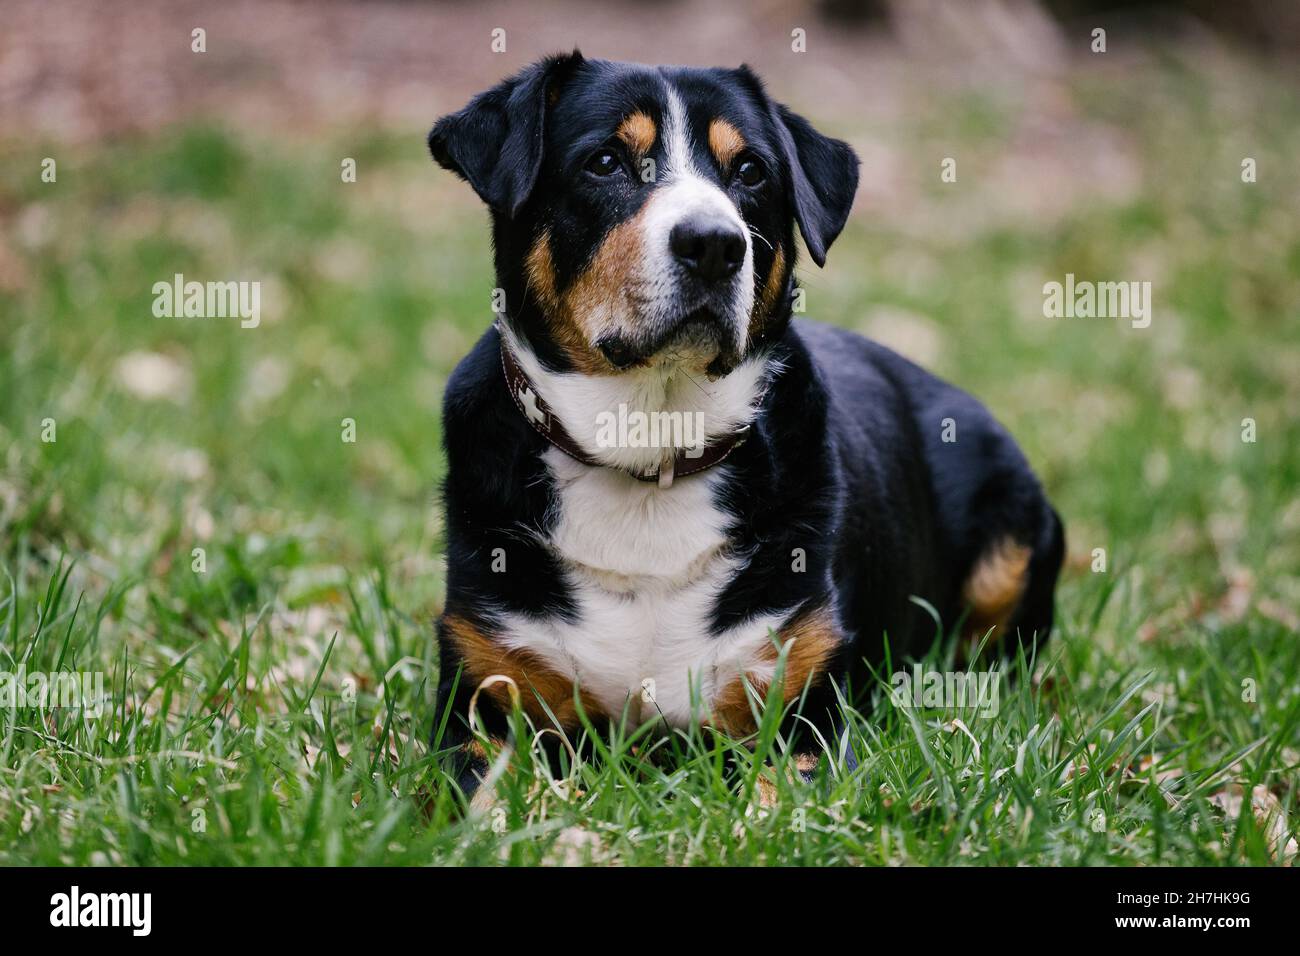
(538, 414)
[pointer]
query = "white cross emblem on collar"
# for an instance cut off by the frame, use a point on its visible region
(529, 401)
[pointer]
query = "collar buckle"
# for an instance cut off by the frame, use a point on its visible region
(667, 468)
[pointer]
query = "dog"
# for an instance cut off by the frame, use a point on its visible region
(664, 493)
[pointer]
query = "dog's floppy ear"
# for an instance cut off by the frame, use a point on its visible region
(823, 180)
(495, 143)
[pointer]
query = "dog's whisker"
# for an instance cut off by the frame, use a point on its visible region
(695, 382)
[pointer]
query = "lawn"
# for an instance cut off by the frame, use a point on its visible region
(180, 511)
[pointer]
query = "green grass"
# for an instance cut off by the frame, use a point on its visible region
(275, 707)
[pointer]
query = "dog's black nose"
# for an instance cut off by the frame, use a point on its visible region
(710, 249)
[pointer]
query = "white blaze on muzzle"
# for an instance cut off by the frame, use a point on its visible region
(681, 195)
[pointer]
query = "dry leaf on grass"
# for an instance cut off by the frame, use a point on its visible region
(1165, 773)
(1269, 815)
(1141, 769)
(577, 846)
(153, 375)
(1276, 611)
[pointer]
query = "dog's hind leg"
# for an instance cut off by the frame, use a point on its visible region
(1033, 619)
(1011, 588)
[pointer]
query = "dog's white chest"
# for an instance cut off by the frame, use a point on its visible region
(646, 566)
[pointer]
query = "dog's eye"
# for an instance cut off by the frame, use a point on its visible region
(603, 162)
(750, 172)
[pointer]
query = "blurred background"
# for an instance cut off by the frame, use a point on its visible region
(225, 165)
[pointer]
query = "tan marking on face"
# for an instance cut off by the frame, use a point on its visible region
(568, 333)
(541, 270)
(816, 638)
(763, 309)
(637, 133)
(995, 586)
(725, 142)
(483, 657)
(584, 312)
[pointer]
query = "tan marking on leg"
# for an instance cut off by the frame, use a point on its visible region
(816, 638)
(483, 800)
(995, 586)
(767, 299)
(731, 712)
(479, 753)
(725, 142)
(638, 133)
(479, 762)
(766, 794)
(483, 657)
(806, 762)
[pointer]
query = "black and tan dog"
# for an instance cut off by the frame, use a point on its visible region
(656, 478)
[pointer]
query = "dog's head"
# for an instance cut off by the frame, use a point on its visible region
(646, 215)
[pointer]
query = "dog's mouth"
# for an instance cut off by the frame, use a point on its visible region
(699, 338)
